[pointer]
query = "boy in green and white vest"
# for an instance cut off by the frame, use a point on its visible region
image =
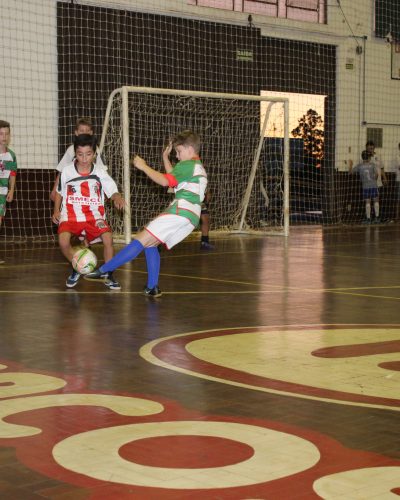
(189, 181)
(8, 170)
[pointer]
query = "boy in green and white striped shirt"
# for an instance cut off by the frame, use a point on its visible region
(189, 181)
(8, 170)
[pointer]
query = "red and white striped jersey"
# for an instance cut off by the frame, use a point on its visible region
(83, 194)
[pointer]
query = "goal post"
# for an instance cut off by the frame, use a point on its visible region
(250, 184)
(243, 163)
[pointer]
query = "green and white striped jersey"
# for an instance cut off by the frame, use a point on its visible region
(8, 167)
(191, 184)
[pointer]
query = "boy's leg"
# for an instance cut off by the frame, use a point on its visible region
(376, 209)
(153, 266)
(368, 208)
(64, 240)
(143, 240)
(1, 220)
(205, 228)
(153, 272)
(128, 253)
(108, 249)
(109, 279)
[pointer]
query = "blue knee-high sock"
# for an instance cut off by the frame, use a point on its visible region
(153, 266)
(128, 253)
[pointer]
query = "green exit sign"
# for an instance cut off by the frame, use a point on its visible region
(244, 55)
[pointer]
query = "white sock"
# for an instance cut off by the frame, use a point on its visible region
(368, 209)
(376, 208)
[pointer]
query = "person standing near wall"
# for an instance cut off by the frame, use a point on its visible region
(382, 179)
(368, 172)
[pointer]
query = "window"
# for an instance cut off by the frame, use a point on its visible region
(387, 18)
(303, 10)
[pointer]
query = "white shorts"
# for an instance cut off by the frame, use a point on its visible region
(170, 229)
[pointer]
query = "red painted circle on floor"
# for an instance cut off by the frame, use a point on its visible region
(188, 452)
(390, 365)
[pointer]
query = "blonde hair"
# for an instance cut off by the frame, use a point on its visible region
(84, 120)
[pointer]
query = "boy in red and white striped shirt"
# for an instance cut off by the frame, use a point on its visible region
(79, 204)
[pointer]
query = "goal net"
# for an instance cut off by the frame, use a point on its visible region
(68, 57)
(248, 173)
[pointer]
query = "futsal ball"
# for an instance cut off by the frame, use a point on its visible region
(84, 261)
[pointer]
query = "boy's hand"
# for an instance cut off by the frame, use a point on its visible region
(56, 217)
(168, 149)
(119, 202)
(10, 197)
(139, 163)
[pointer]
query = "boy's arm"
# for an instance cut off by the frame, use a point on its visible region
(167, 162)
(383, 175)
(11, 188)
(154, 175)
(118, 201)
(57, 208)
(381, 170)
(111, 189)
(54, 190)
(58, 198)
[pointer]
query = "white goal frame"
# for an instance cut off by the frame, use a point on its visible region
(125, 90)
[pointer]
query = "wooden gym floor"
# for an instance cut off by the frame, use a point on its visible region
(269, 369)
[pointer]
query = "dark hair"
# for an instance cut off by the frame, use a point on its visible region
(4, 124)
(365, 155)
(370, 143)
(84, 120)
(85, 140)
(187, 138)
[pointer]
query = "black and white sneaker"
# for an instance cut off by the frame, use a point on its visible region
(152, 292)
(72, 279)
(96, 275)
(205, 245)
(111, 282)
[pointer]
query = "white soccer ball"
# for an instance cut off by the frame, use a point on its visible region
(84, 261)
